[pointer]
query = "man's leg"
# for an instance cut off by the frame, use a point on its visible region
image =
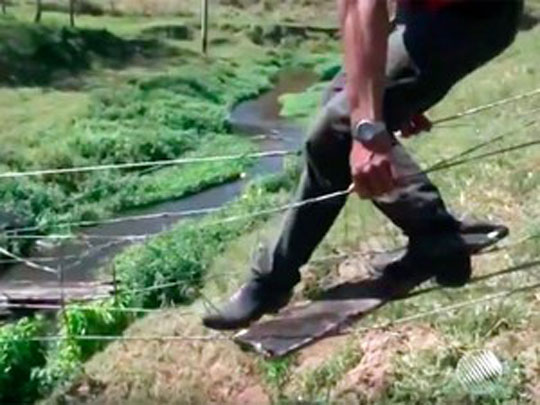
(327, 170)
(276, 271)
(416, 207)
(466, 37)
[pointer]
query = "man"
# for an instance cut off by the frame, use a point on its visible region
(391, 79)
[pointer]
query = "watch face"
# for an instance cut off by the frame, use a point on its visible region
(366, 131)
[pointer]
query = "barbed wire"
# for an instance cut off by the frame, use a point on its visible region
(98, 297)
(254, 155)
(323, 259)
(143, 217)
(485, 107)
(225, 337)
(485, 155)
(448, 308)
(73, 307)
(40, 259)
(205, 211)
(134, 238)
(27, 262)
(481, 145)
(152, 163)
(148, 338)
(444, 165)
(35, 264)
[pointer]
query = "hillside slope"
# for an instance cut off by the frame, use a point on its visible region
(409, 363)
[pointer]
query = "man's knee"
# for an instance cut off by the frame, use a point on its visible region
(327, 151)
(330, 134)
(336, 85)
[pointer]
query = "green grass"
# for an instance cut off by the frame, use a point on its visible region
(164, 107)
(504, 188)
(176, 182)
(276, 372)
(213, 260)
(174, 105)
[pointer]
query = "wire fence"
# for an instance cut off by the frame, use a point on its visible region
(489, 106)
(461, 158)
(228, 337)
(29, 263)
(256, 155)
(444, 164)
(227, 275)
(147, 164)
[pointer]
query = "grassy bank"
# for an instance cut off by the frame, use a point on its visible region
(131, 99)
(151, 107)
(173, 104)
(410, 363)
(168, 270)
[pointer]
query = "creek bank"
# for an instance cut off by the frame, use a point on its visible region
(189, 249)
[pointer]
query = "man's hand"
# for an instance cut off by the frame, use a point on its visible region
(371, 171)
(417, 124)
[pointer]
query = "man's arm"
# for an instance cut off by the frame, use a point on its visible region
(365, 28)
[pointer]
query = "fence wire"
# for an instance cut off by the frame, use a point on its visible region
(256, 155)
(444, 164)
(227, 337)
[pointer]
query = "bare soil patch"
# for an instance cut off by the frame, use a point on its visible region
(174, 372)
(373, 373)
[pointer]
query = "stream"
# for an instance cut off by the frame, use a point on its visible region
(80, 259)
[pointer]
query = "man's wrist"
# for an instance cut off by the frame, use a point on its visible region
(373, 135)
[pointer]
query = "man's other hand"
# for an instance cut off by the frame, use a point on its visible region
(417, 124)
(371, 171)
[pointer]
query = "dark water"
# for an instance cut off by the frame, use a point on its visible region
(259, 118)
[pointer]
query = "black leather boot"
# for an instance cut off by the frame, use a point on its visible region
(445, 257)
(248, 304)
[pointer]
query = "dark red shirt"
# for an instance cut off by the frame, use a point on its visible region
(428, 4)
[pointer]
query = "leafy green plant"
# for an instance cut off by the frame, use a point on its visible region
(19, 357)
(276, 371)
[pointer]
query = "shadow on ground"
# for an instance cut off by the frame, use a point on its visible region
(35, 55)
(529, 20)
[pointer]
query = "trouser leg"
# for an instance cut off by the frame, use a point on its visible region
(326, 171)
(413, 87)
(428, 54)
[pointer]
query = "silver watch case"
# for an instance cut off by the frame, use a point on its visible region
(367, 131)
(372, 134)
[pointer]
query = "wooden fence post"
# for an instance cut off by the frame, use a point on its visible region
(204, 26)
(37, 17)
(72, 13)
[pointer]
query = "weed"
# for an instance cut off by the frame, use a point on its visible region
(316, 385)
(19, 358)
(276, 372)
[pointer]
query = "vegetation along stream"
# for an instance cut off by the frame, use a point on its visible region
(79, 258)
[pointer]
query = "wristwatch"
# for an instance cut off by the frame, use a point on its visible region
(373, 135)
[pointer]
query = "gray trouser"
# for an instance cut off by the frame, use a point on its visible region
(428, 53)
